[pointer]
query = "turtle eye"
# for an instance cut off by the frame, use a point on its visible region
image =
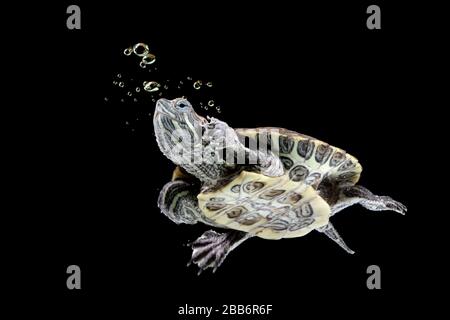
(182, 105)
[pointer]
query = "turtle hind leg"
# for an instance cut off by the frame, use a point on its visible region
(211, 249)
(373, 202)
(332, 233)
(177, 200)
(358, 194)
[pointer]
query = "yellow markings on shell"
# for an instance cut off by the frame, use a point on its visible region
(251, 201)
(235, 200)
(321, 215)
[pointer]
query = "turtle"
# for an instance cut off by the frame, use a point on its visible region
(286, 187)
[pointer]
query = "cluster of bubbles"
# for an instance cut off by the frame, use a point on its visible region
(209, 105)
(151, 86)
(199, 85)
(134, 89)
(143, 51)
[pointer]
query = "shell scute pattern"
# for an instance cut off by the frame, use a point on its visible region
(271, 194)
(298, 173)
(291, 198)
(305, 148)
(236, 212)
(266, 206)
(287, 162)
(253, 186)
(319, 158)
(286, 206)
(310, 160)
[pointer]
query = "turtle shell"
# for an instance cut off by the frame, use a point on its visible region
(287, 206)
(268, 207)
(305, 158)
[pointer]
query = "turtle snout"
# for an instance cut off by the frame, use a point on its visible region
(163, 103)
(164, 106)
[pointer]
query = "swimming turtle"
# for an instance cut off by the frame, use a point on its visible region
(270, 183)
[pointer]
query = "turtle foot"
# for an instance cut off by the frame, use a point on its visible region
(211, 249)
(391, 204)
(373, 202)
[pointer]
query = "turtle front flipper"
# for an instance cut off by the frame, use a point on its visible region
(178, 201)
(211, 249)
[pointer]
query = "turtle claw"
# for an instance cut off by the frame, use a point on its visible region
(391, 204)
(210, 250)
(370, 201)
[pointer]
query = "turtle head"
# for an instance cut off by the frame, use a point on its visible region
(193, 142)
(178, 129)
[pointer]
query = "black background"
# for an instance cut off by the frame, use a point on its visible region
(315, 69)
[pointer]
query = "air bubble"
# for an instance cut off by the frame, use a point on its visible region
(138, 89)
(119, 75)
(140, 49)
(218, 109)
(129, 93)
(209, 84)
(197, 84)
(211, 103)
(152, 86)
(148, 59)
(128, 51)
(121, 84)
